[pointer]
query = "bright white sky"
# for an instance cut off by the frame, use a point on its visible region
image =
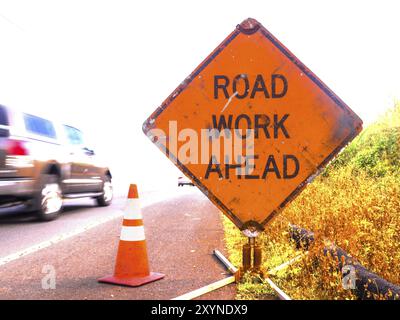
(104, 66)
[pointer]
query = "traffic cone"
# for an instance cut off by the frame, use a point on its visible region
(132, 265)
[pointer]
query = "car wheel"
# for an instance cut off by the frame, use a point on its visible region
(106, 198)
(49, 201)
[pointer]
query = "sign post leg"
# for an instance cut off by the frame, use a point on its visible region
(257, 259)
(246, 257)
(251, 258)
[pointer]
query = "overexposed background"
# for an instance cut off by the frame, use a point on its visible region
(104, 66)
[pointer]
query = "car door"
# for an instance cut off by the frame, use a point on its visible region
(83, 177)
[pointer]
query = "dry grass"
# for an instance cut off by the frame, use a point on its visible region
(354, 203)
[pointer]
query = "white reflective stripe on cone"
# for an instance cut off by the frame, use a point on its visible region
(132, 210)
(132, 233)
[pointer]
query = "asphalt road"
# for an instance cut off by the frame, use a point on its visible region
(19, 230)
(80, 247)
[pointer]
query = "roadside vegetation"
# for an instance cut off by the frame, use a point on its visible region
(355, 203)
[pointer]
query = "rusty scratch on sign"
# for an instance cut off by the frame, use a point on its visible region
(229, 101)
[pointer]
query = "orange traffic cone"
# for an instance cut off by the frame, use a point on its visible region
(132, 265)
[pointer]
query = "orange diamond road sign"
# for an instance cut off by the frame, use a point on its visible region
(251, 126)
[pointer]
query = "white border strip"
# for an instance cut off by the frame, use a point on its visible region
(203, 290)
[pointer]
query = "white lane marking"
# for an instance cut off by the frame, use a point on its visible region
(132, 210)
(132, 233)
(56, 239)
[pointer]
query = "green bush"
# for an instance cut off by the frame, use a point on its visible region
(376, 151)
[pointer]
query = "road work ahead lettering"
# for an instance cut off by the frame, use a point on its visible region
(257, 126)
(251, 126)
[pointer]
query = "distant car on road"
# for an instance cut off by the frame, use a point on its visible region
(184, 181)
(43, 162)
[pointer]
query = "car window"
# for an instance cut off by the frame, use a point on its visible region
(3, 116)
(4, 132)
(74, 136)
(39, 126)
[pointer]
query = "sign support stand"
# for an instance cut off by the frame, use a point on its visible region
(251, 258)
(232, 279)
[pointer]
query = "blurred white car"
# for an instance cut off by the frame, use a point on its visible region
(184, 181)
(43, 162)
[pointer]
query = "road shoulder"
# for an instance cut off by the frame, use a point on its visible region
(181, 235)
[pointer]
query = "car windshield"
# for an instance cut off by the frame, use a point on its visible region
(74, 135)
